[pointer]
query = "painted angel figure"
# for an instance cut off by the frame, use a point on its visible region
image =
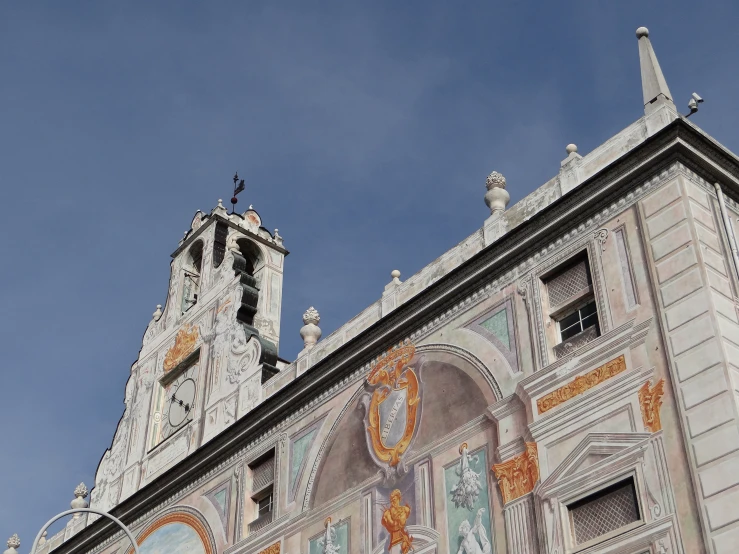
(470, 544)
(467, 490)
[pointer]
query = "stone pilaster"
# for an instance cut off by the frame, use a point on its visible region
(690, 274)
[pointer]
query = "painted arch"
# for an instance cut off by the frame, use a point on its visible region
(174, 533)
(457, 388)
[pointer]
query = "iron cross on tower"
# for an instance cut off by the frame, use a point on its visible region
(238, 187)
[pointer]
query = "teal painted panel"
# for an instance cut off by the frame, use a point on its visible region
(466, 536)
(299, 449)
(341, 539)
(498, 326)
(220, 499)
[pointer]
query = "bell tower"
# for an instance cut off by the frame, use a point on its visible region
(218, 248)
(206, 355)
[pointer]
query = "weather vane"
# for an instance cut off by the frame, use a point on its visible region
(238, 187)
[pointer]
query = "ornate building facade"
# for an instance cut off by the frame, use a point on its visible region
(566, 379)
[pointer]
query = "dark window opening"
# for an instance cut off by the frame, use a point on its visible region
(264, 504)
(603, 512)
(578, 321)
(251, 254)
(191, 285)
(219, 243)
(262, 483)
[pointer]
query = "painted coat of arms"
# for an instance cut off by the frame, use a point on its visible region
(392, 409)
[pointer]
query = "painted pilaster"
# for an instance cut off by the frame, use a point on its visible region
(516, 479)
(520, 524)
(690, 274)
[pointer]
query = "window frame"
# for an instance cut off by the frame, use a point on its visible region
(584, 302)
(592, 494)
(543, 318)
(252, 497)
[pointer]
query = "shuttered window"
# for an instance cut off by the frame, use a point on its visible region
(263, 474)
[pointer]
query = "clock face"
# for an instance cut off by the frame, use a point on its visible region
(181, 401)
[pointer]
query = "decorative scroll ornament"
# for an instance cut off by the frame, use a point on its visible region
(184, 344)
(392, 409)
(601, 235)
(580, 384)
(327, 542)
(271, 549)
(394, 518)
(467, 490)
(650, 400)
(518, 475)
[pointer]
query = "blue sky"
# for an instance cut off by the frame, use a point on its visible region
(365, 132)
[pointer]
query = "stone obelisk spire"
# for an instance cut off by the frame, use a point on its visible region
(658, 105)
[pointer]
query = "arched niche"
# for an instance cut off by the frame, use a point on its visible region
(456, 388)
(181, 530)
(252, 254)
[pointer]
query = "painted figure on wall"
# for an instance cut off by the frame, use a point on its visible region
(474, 539)
(467, 490)
(468, 501)
(328, 542)
(394, 520)
(333, 540)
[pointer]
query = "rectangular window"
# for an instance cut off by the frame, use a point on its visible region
(578, 321)
(262, 491)
(572, 306)
(265, 504)
(604, 512)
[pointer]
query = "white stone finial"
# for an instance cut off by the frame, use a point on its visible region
(157, 313)
(571, 148)
(14, 543)
(497, 196)
(654, 85)
(80, 493)
(395, 274)
(310, 332)
(42, 540)
(220, 209)
(278, 238)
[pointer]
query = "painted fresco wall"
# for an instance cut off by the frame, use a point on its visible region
(473, 436)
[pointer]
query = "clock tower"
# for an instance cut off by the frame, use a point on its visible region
(205, 356)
